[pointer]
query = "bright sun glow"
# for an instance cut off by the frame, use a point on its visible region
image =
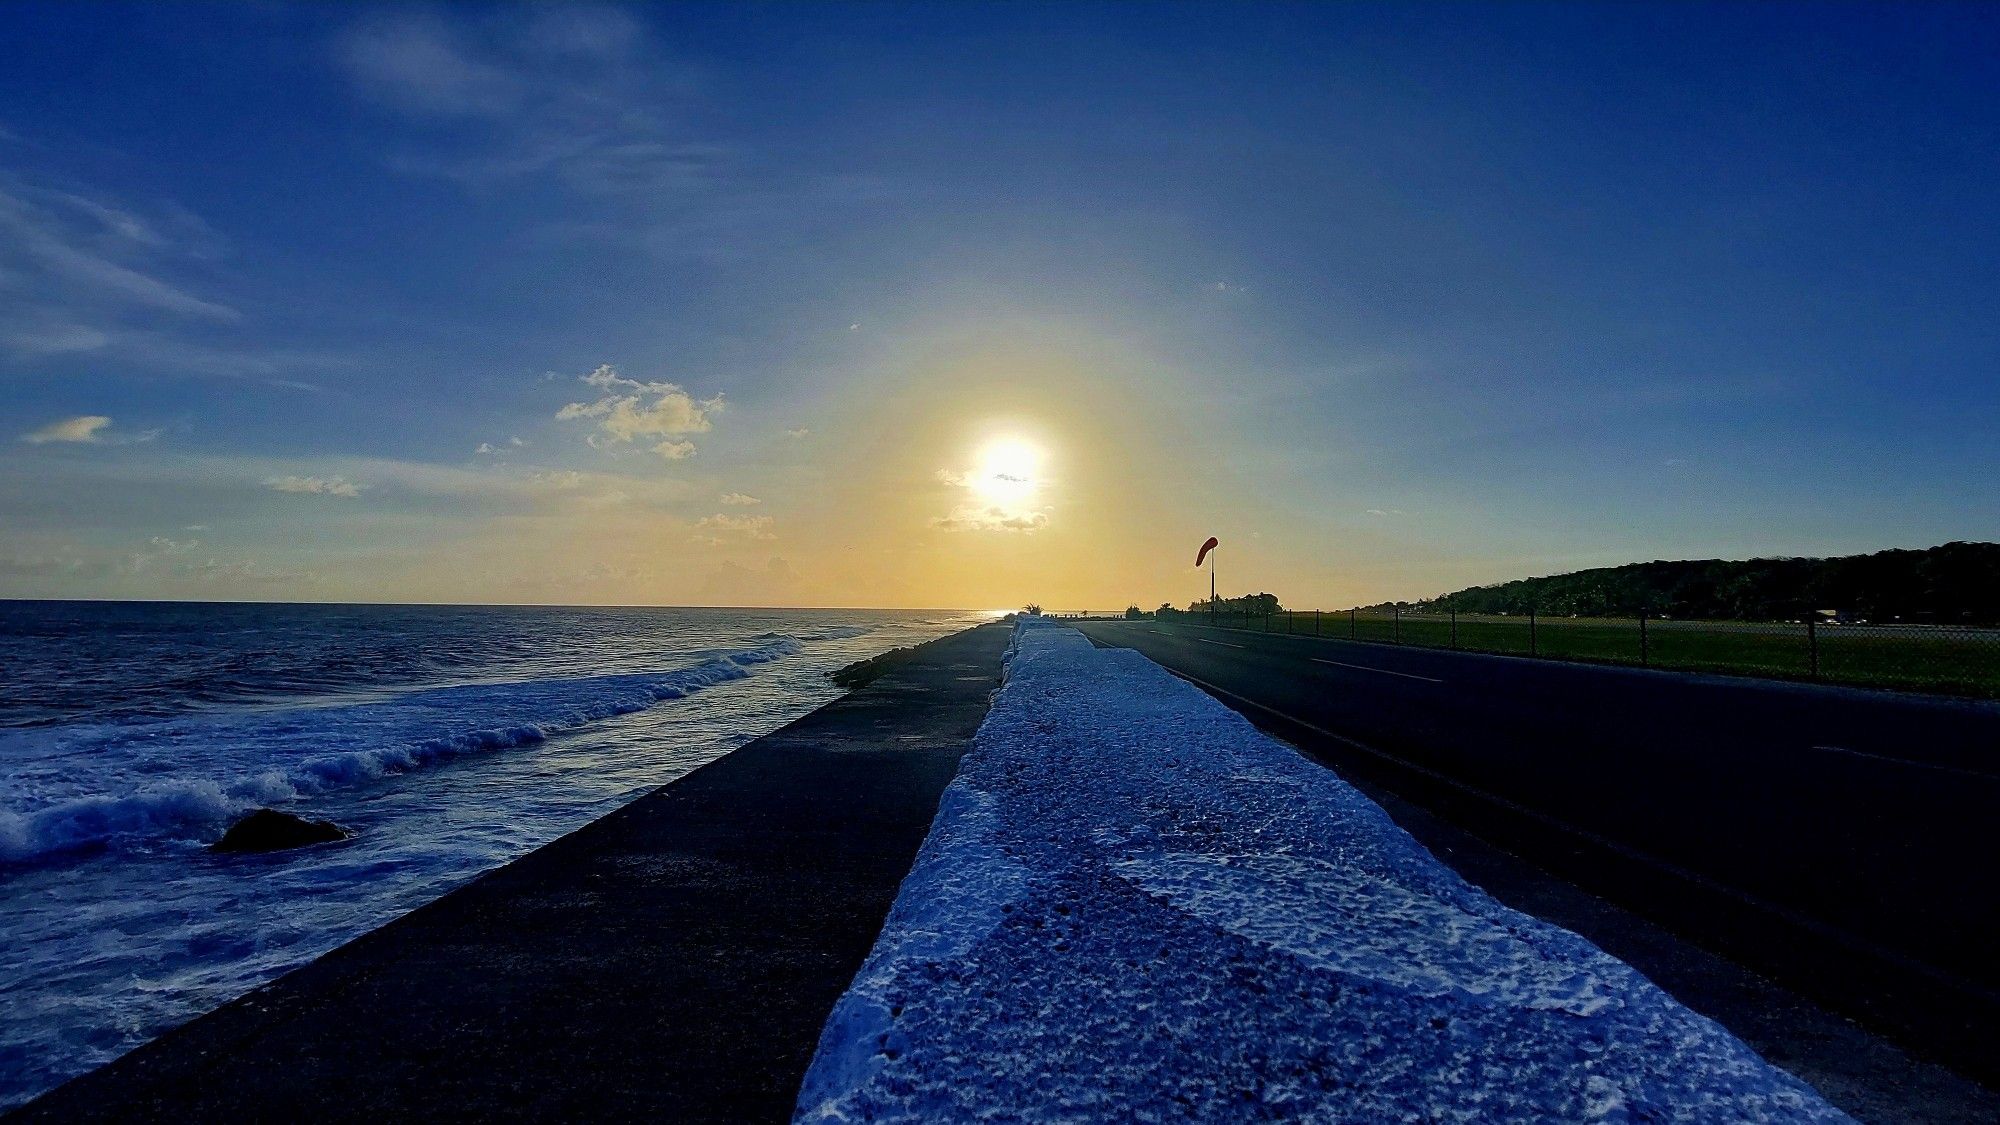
(1008, 472)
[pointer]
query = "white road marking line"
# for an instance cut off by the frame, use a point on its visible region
(1206, 641)
(1960, 770)
(1384, 671)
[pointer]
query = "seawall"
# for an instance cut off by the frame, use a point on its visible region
(674, 960)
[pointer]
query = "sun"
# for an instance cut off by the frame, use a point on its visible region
(1009, 472)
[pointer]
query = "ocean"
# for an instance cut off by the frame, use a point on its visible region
(448, 739)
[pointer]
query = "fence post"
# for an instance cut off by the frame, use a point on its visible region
(1350, 624)
(1316, 624)
(1532, 649)
(1396, 623)
(1454, 627)
(1642, 639)
(1812, 646)
(1291, 619)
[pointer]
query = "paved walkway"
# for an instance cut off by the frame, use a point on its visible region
(672, 961)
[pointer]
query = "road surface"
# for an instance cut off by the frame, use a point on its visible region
(1841, 840)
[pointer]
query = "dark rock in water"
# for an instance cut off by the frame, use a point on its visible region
(268, 830)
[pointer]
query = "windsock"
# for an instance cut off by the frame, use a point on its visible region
(1205, 549)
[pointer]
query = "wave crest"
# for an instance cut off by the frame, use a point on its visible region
(176, 807)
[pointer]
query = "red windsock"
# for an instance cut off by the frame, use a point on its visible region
(1205, 549)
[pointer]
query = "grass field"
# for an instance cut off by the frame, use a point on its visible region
(1943, 660)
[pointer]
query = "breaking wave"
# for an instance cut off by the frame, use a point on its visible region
(348, 745)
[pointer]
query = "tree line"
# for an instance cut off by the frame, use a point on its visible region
(1956, 583)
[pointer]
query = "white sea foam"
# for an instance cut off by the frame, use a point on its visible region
(398, 736)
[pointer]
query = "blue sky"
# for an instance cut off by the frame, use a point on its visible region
(1394, 299)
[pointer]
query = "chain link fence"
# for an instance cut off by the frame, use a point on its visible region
(1944, 659)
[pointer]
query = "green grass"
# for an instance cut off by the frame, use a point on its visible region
(1950, 662)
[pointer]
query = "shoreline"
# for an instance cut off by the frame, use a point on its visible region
(677, 956)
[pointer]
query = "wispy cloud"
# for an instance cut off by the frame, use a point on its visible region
(632, 409)
(582, 93)
(992, 517)
(749, 527)
(87, 429)
(797, 432)
(1004, 494)
(90, 250)
(319, 486)
(84, 272)
(739, 499)
(83, 429)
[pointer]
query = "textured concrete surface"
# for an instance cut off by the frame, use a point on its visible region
(1490, 761)
(1135, 906)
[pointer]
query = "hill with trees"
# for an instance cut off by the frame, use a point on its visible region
(1956, 583)
(1250, 604)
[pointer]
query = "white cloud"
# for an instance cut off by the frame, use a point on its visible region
(797, 433)
(992, 517)
(320, 486)
(84, 429)
(739, 499)
(1003, 494)
(630, 409)
(752, 527)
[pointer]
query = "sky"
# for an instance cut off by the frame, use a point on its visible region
(970, 306)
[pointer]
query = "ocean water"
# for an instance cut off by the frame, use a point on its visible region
(448, 739)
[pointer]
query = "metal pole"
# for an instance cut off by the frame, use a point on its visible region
(1350, 624)
(1642, 639)
(1396, 623)
(1531, 631)
(1812, 646)
(1454, 627)
(1316, 629)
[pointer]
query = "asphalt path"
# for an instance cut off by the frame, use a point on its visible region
(1842, 841)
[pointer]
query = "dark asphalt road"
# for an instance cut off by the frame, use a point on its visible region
(1842, 841)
